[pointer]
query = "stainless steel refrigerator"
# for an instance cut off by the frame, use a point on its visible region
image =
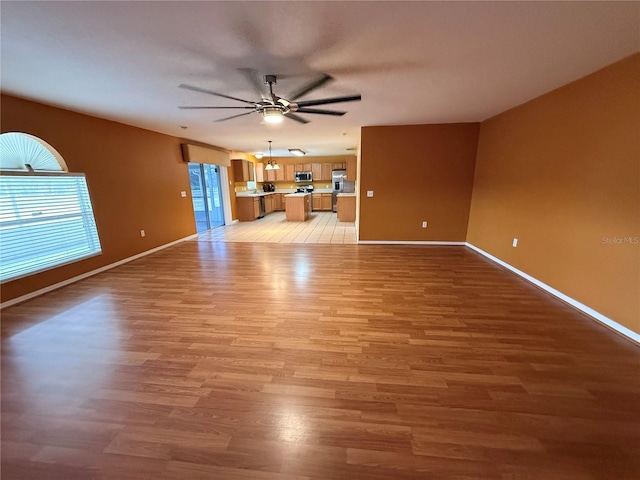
(340, 185)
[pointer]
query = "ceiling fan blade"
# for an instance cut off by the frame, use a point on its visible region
(295, 117)
(203, 90)
(252, 76)
(317, 83)
(198, 108)
(324, 101)
(320, 111)
(232, 116)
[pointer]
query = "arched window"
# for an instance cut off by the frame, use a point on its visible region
(46, 217)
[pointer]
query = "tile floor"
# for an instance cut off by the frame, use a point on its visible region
(322, 227)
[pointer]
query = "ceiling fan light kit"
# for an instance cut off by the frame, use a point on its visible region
(272, 115)
(274, 108)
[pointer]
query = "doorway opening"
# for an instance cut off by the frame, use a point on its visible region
(206, 193)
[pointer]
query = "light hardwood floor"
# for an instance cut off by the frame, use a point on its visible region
(212, 360)
(322, 227)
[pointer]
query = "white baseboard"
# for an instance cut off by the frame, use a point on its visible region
(406, 242)
(574, 303)
(77, 278)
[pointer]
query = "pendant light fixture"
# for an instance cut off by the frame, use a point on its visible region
(271, 165)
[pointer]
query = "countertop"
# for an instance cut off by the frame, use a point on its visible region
(297, 194)
(346, 194)
(282, 191)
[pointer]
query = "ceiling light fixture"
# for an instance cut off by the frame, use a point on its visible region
(272, 114)
(258, 155)
(297, 152)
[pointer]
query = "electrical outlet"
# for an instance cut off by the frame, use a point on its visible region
(424, 224)
(142, 234)
(515, 242)
(369, 193)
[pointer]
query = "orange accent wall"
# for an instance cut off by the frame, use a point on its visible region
(417, 173)
(135, 177)
(562, 174)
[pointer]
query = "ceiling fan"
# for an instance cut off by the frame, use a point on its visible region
(274, 108)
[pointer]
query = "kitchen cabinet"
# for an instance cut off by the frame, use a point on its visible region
(303, 167)
(339, 166)
(277, 201)
(316, 202)
(248, 208)
(268, 204)
(271, 175)
(351, 168)
(259, 172)
(326, 172)
(316, 171)
(289, 172)
(280, 174)
(243, 170)
(327, 202)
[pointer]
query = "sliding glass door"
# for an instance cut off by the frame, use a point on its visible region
(206, 194)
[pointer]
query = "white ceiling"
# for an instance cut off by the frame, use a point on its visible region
(412, 62)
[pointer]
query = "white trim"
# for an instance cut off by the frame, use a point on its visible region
(77, 278)
(574, 303)
(226, 195)
(406, 242)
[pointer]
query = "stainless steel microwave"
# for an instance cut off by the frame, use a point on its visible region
(304, 177)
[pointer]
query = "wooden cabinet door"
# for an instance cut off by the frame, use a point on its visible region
(259, 172)
(277, 201)
(256, 207)
(290, 172)
(326, 202)
(326, 172)
(268, 203)
(299, 167)
(251, 176)
(280, 174)
(351, 168)
(306, 167)
(238, 172)
(316, 171)
(271, 175)
(317, 201)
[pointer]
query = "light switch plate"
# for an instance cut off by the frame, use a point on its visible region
(369, 193)
(515, 242)
(183, 194)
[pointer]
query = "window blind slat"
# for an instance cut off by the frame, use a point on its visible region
(45, 221)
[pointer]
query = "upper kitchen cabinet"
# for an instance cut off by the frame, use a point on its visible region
(271, 175)
(351, 168)
(326, 172)
(280, 174)
(259, 172)
(243, 170)
(289, 172)
(303, 167)
(316, 171)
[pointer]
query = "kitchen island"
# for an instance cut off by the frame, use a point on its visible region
(297, 207)
(346, 207)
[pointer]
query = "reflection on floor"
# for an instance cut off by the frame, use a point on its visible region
(322, 227)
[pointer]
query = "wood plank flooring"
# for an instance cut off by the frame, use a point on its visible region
(213, 360)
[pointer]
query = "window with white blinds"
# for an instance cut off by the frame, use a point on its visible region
(46, 220)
